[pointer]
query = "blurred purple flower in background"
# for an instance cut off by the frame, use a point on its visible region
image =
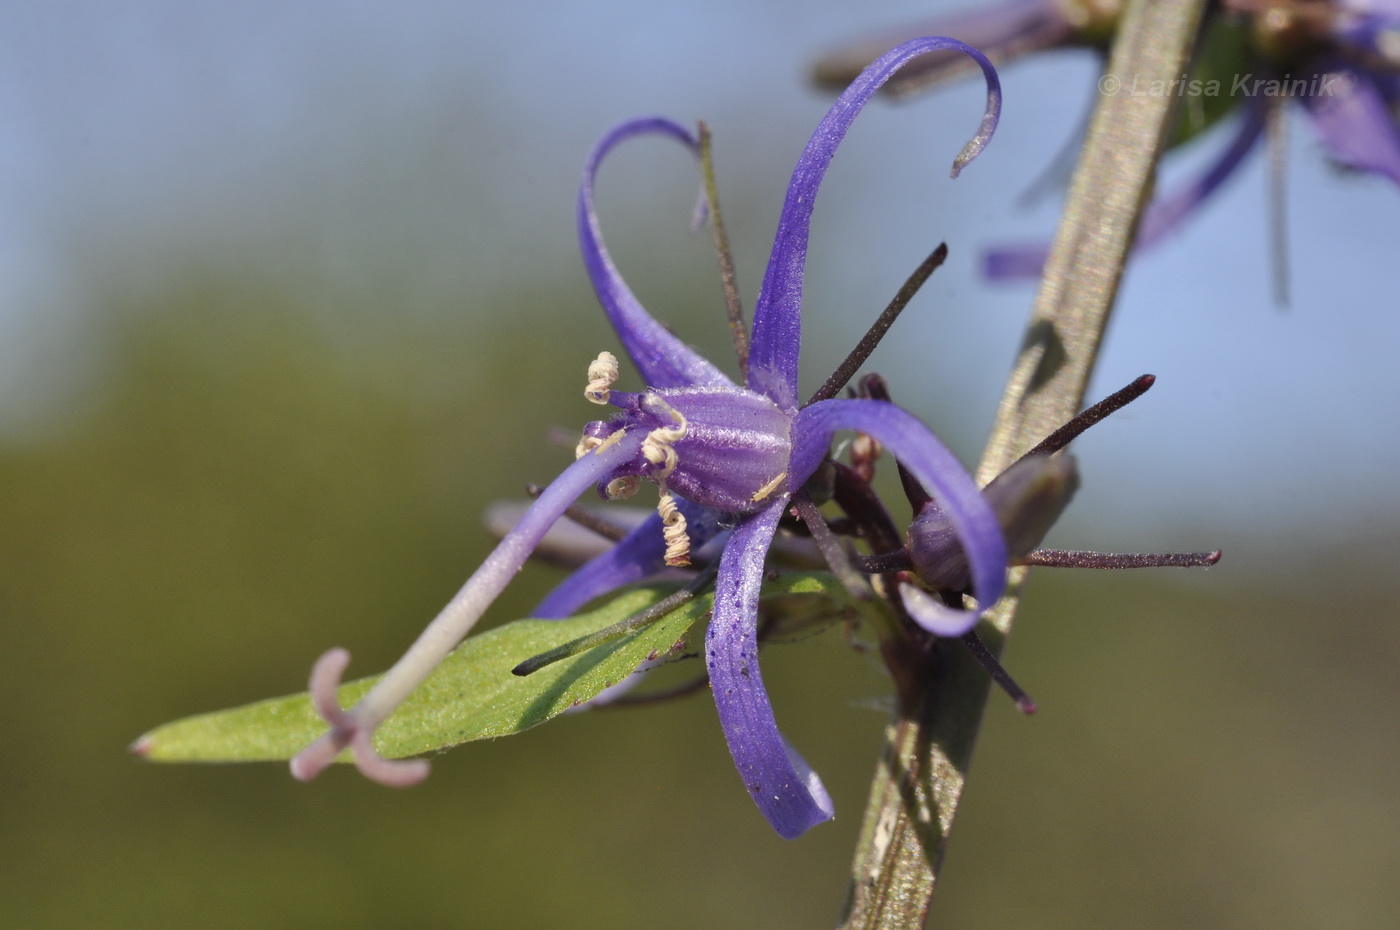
(1339, 59)
(1003, 31)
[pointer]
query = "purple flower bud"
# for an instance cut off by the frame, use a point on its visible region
(1027, 498)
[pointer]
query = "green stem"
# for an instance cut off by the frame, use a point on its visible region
(919, 780)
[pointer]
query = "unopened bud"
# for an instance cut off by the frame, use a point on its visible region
(1027, 498)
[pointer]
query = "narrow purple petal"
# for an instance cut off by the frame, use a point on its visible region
(783, 786)
(663, 360)
(1355, 124)
(1166, 214)
(777, 319)
(930, 462)
(637, 556)
(1162, 217)
(1027, 498)
(1015, 262)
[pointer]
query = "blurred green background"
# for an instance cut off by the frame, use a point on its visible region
(289, 298)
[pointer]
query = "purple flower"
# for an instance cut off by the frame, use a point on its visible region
(721, 455)
(1339, 60)
(1355, 55)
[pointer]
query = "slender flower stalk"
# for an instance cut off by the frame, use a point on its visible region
(724, 457)
(919, 780)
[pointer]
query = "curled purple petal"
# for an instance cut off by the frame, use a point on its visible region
(938, 618)
(930, 462)
(1354, 122)
(1027, 498)
(777, 318)
(663, 360)
(355, 727)
(783, 786)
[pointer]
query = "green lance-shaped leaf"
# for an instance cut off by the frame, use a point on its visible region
(473, 694)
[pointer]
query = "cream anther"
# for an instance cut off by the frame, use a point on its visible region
(619, 489)
(602, 372)
(657, 447)
(673, 531)
(662, 457)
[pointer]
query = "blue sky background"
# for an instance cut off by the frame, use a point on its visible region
(387, 158)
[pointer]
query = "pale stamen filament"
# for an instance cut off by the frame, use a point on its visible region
(765, 491)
